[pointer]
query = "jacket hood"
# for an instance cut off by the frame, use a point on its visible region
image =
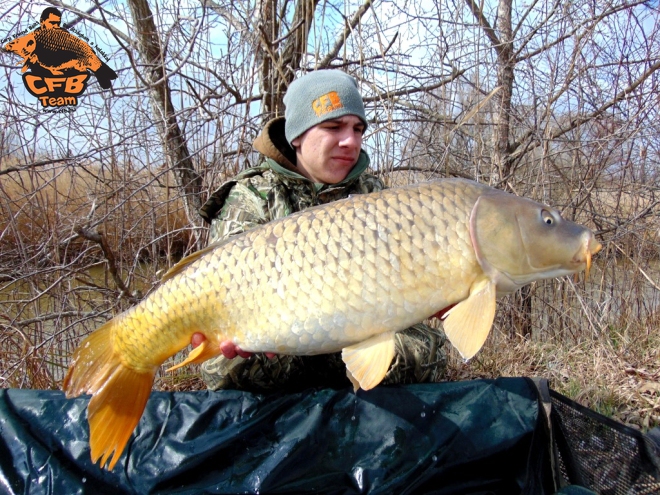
(271, 142)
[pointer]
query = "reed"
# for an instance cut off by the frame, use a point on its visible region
(56, 285)
(135, 210)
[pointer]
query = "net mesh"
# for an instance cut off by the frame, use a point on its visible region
(600, 454)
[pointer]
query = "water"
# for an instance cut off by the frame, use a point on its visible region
(43, 317)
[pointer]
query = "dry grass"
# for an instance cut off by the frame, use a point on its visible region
(617, 376)
(135, 210)
(55, 286)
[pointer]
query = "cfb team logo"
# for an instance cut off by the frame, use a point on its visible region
(57, 64)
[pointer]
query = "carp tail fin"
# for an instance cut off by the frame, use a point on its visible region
(119, 393)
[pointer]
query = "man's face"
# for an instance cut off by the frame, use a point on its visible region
(327, 152)
(53, 21)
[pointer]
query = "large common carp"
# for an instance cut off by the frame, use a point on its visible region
(342, 276)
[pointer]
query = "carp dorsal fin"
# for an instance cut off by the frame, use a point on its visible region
(367, 362)
(468, 323)
(188, 260)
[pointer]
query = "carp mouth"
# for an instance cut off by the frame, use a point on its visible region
(591, 246)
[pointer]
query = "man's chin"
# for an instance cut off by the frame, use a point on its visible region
(341, 166)
(339, 173)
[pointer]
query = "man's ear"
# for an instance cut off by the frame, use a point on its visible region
(295, 143)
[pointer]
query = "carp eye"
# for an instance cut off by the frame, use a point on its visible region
(547, 217)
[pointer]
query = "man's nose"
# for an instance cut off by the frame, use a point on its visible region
(350, 138)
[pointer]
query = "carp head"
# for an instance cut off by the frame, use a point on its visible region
(517, 241)
(23, 47)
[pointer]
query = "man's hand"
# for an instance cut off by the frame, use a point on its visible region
(229, 349)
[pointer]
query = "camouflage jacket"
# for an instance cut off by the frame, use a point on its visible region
(274, 189)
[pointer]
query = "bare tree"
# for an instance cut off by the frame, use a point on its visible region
(157, 80)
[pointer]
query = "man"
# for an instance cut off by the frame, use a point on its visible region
(51, 18)
(312, 156)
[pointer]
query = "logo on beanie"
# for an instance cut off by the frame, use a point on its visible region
(327, 103)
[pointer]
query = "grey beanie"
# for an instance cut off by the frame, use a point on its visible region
(319, 96)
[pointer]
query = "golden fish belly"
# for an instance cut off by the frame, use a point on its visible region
(318, 281)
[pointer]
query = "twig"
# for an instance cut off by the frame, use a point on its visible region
(53, 316)
(650, 281)
(110, 257)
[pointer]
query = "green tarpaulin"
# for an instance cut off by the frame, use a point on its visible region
(476, 437)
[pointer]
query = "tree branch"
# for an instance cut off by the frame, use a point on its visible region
(348, 29)
(579, 120)
(177, 153)
(110, 257)
(485, 25)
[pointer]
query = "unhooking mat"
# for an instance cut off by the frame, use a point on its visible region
(476, 437)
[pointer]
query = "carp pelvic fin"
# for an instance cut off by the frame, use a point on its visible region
(199, 354)
(119, 394)
(469, 322)
(367, 362)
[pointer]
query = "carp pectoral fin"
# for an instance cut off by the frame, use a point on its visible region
(199, 354)
(468, 323)
(367, 362)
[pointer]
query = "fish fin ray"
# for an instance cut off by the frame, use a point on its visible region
(187, 261)
(367, 362)
(115, 411)
(199, 354)
(119, 393)
(92, 362)
(468, 324)
(354, 382)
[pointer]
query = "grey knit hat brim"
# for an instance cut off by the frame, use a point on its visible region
(319, 96)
